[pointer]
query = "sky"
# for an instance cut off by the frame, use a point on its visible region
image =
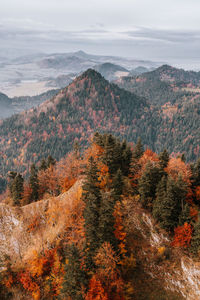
(167, 31)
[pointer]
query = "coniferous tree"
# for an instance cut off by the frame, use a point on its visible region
(148, 183)
(50, 161)
(76, 149)
(107, 220)
(34, 184)
(195, 242)
(74, 277)
(183, 158)
(169, 204)
(111, 155)
(185, 215)
(164, 159)
(92, 199)
(43, 165)
(138, 150)
(117, 185)
(126, 158)
(17, 189)
(11, 177)
(159, 202)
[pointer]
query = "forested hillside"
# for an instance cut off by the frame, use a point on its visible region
(98, 238)
(88, 104)
(11, 106)
(164, 84)
(91, 103)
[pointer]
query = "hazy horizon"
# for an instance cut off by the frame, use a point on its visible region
(145, 30)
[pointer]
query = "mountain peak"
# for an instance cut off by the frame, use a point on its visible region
(91, 74)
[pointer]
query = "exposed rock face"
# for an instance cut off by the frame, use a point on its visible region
(34, 226)
(179, 273)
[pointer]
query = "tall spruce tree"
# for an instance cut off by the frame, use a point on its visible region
(43, 165)
(107, 220)
(50, 161)
(117, 185)
(126, 158)
(163, 159)
(74, 277)
(169, 202)
(112, 154)
(185, 215)
(195, 242)
(17, 189)
(160, 201)
(92, 199)
(138, 150)
(34, 184)
(148, 183)
(106, 217)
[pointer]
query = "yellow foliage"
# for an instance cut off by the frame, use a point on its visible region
(161, 250)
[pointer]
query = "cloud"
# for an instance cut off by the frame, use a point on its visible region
(169, 36)
(172, 46)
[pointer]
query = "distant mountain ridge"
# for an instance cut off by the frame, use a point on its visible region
(162, 85)
(10, 106)
(111, 71)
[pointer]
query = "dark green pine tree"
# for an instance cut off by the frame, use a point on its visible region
(148, 183)
(112, 154)
(43, 165)
(183, 158)
(138, 150)
(117, 185)
(126, 158)
(50, 161)
(195, 178)
(169, 204)
(107, 220)
(11, 177)
(185, 215)
(160, 201)
(106, 217)
(92, 199)
(195, 242)
(195, 173)
(181, 189)
(99, 139)
(74, 277)
(34, 184)
(163, 159)
(76, 149)
(17, 189)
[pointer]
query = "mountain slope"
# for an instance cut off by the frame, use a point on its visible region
(164, 84)
(10, 106)
(89, 104)
(32, 228)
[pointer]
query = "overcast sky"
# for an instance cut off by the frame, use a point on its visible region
(145, 29)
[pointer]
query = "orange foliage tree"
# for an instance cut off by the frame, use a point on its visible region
(177, 167)
(43, 276)
(48, 182)
(96, 290)
(182, 236)
(69, 170)
(119, 232)
(108, 271)
(197, 192)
